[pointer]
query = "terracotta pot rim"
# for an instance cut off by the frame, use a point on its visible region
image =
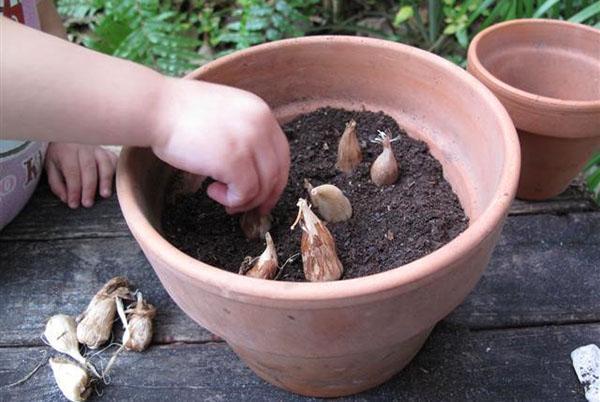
(234, 285)
(518, 95)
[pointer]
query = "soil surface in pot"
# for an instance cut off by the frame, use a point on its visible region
(390, 226)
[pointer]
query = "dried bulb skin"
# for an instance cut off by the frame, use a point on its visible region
(139, 331)
(61, 334)
(254, 225)
(190, 183)
(319, 257)
(267, 265)
(332, 203)
(95, 323)
(384, 171)
(72, 380)
(185, 183)
(349, 152)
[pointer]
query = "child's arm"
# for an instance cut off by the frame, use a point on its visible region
(62, 92)
(74, 171)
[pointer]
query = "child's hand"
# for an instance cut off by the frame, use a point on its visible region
(227, 134)
(75, 172)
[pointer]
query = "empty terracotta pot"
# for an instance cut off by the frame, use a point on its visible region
(338, 338)
(547, 75)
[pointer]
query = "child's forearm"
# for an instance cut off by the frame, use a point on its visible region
(54, 90)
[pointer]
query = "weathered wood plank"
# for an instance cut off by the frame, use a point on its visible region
(39, 279)
(576, 198)
(544, 271)
(560, 206)
(525, 364)
(45, 217)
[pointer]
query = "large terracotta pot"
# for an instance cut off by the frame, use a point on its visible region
(547, 75)
(339, 338)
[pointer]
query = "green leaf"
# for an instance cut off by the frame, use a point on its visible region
(591, 172)
(283, 7)
(512, 12)
(108, 35)
(587, 13)
(500, 9)
(450, 29)
(257, 24)
(230, 37)
(234, 26)
(78, 9)
(593, 182)
(405, 13)
(482, 7)
(260, 11)
(273, 34)
(278, 21)
(463, 38)
(165, 16)
(547, 5)
(594, 161)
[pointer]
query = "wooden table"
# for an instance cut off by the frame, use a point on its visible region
(510, 340)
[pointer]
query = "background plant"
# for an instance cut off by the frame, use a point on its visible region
(145, 31)
(258, 21)
(592, 175)
(447, 26)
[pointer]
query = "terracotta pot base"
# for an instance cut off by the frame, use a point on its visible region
(549, 163)
(329, 377)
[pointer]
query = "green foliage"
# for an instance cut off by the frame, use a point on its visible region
(451, 32)
(467, 18)
(258, 21)
(144, 31)
(78, 9)
(592, 175)
(176, 35)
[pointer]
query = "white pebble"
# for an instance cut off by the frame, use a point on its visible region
(586, 361)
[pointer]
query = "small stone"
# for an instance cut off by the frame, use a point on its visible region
(586, 362)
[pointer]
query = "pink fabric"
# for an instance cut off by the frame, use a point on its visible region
(21, 162)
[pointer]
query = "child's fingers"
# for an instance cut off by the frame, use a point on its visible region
(266, 175)
(272, 199)
(275, 194)
(240, 189)
(268, 168)
(217, 191)
(89, 176)
(272, 165)
(72, 175)
(55, 180)
(106, 162)
(282, 154)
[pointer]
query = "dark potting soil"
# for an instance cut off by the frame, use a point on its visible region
(390, 226)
